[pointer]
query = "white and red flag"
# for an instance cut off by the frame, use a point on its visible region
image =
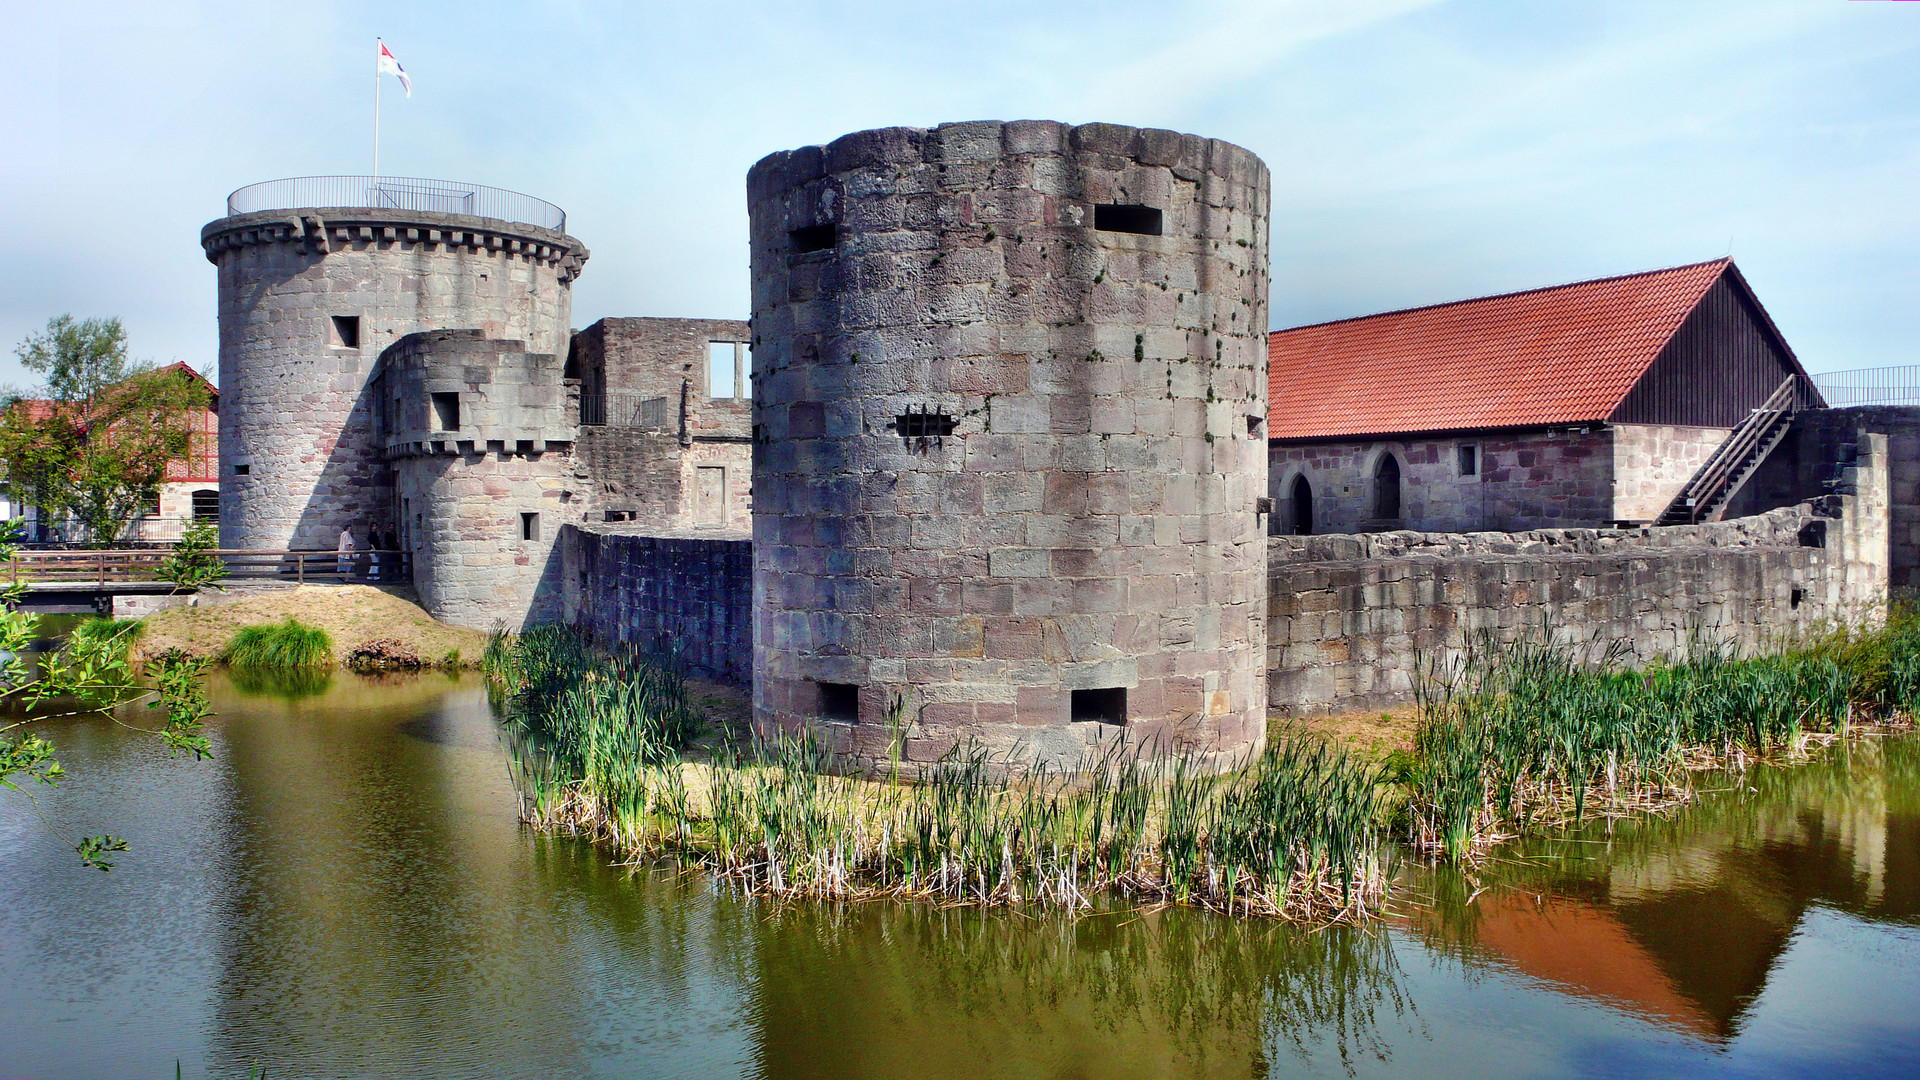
(387, 65)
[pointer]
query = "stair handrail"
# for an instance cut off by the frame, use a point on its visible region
(1721, 463)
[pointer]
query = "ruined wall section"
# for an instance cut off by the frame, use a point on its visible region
(653, 424)
(480, 437)
(1011, 382)
(298, 460)
(1355, 619)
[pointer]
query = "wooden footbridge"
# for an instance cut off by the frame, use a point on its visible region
(81, 580)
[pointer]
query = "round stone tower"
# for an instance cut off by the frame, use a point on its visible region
(318, 275)
(1009, 460)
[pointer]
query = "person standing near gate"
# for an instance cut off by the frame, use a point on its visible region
(345, 552)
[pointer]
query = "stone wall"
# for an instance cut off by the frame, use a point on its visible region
(1652, 462)
(480, 503)
(298, 459)
(1811, 462)
(654, 423)
(1589, 477)
(1011, 378)
(1526, 480)
(690, 592)
(1353, 619)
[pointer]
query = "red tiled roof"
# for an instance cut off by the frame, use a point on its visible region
(1561, 355)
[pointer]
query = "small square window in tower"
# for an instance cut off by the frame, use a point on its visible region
(1104, 706)
(343, 331)
(839, 701)
(446, 412)
(1144, 220)
(530, 526)
(1469, 461)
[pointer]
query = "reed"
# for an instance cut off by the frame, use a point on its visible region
(291, 644)
(1538, 734)
(595, 746)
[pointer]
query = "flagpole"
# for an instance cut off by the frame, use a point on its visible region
(377, 43)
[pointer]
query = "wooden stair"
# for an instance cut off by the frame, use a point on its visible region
(1736, 459)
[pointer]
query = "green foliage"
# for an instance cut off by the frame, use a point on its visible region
(290, 644)
(192, 562)
(595, 744)
(1528, 735)
(97, 443)
(91, 672)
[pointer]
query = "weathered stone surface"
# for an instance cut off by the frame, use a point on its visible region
(967, 567)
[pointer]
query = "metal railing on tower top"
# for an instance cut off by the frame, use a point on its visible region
(1870, 386)
(396, 193)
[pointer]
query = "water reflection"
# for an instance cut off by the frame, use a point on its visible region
(345, 890)
(888, 990)
(1681, 920)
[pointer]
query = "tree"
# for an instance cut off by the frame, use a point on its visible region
(95, 442)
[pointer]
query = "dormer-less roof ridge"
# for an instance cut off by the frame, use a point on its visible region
(1558, 354)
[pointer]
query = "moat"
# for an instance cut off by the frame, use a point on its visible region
(345, 890)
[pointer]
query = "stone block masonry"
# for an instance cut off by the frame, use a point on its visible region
(308, 300)
(1010, 387)
(691, 593)
(1354, 620)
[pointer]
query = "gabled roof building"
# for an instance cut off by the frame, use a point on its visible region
(1584, 405)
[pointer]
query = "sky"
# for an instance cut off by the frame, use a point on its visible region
(1421, 150)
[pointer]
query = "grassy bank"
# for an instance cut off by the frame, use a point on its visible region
(596, 746)
(351, 616)
(1531, 736)
(1508, 739)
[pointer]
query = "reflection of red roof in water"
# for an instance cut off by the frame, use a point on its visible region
(1585, 949)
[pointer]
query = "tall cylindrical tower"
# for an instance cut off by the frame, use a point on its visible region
(1010, 400)
(317, 276)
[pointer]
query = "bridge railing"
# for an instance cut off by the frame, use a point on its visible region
(112, 567)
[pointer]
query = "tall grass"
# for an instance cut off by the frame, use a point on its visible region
(291, 644)
(595, 745)
(1535, 734)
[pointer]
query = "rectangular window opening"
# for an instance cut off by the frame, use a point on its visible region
(206, 505)
(1106, 706)
(1144, 220)
(720, 381)
(242, 470)
(523, 447)
(530, 526)
(1795, 598)
(813, 238)
(343, 331)
(839, 701)
(1469, 461)
(446, 412)
(619, 515)
(1256, 426)
(926, 422)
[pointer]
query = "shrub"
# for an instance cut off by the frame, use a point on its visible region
(291, 644)
(192, 562)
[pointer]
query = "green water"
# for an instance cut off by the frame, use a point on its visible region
(345, 891)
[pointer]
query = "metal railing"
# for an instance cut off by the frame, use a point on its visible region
(396, 193)
(102, 568)
(627, 409)
(1870, 386)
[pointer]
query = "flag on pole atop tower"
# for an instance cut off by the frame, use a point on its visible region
(389, 66)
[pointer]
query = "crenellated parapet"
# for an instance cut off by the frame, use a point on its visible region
(322, 230)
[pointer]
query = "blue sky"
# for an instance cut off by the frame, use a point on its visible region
(1421, 150)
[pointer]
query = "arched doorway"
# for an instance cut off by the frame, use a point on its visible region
(1302, 498)
(1386, 488)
